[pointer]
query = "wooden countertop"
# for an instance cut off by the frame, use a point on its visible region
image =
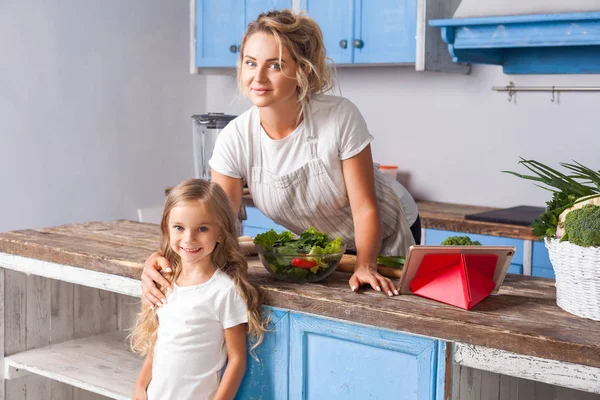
(522, 318)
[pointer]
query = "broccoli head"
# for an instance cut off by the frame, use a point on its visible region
(582, 226)
(460, 241)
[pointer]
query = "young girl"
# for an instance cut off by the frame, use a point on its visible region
(211, 305)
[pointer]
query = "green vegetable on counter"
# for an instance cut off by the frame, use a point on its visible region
(460, 241)
(582, 226)
(392, 261)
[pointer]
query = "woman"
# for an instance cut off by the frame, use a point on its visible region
(305, 156)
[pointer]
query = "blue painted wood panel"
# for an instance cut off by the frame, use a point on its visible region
(331, 359)
(267, 378)
(219, 25)
(387, 29)
(257, 222)
(540, 261)
(336, 19)
(256, 7)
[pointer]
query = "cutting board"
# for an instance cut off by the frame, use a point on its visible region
(520, 215)
(349, 261)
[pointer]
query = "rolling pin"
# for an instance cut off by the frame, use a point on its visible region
(348, 262)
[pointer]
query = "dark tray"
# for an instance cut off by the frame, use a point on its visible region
(520, 215)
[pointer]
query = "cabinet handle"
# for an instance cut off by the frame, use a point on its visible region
(233, 48)
(343, 43)
(358, 44)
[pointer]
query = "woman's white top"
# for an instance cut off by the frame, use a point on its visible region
(190, 349)
(338, 126)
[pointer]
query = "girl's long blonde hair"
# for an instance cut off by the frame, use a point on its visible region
(226, 256)
(303, 38)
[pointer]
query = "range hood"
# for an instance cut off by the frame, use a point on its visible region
(526, 36)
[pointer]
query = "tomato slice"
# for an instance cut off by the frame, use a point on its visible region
(303, 263)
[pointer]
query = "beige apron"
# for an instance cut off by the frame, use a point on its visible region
(309, 197)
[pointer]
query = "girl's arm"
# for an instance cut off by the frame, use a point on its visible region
(360, 185)
(144, 378)
(235, 340)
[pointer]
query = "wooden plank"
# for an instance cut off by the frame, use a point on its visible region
(2, 393)
(38, 330)
(490, 386)
(542, 370)
(61, 328)
(15, 313)
(127, 307)
(509, 388)
(95, 311)
(79, 276)
(101, 364)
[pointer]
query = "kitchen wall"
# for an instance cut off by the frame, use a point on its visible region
(453, 135)
(95, 100)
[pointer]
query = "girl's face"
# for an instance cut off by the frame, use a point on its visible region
(267, 81)
(193, 232)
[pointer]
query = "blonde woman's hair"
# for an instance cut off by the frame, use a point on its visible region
(303, 38)
(226, 256)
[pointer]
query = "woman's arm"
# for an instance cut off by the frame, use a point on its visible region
(143, 380)
(232, 187)
(360, 185)
(235, 340)
(150, 277)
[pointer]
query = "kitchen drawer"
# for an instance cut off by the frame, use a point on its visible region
(259, 221)
(436, 237)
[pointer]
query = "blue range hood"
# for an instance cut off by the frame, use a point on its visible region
(567, 43)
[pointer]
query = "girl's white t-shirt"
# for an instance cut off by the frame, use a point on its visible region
(190, 351)
(335, 122)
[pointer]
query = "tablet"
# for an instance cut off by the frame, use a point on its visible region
(417, 252)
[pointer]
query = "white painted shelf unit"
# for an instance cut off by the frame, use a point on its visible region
(101, 364)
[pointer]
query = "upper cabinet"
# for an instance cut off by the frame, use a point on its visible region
(217, 28)
(367, 32)
(356, 32)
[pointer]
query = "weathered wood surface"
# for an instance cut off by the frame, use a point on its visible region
(523, 318)
(101, 364)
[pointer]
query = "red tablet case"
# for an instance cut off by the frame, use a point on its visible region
(461, 280)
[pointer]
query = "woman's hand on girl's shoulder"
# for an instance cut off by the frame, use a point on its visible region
(151, 276)
(365, 275)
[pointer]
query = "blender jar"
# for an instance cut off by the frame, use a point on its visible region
(206, 127)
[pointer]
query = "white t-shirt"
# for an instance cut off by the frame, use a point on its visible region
(190, 348)
(338, 126)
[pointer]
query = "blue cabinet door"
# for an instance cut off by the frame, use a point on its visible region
(267, 377)
(436, 237)
(255, 7)
(540, 261)
(385, 30)
(335, 17)
(335, 360)
(257, 222)
(219, 27)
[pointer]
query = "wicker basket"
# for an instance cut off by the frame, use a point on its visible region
(577, 271)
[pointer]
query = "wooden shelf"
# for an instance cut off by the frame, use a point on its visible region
(101, 364)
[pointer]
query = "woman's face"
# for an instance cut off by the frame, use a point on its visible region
(266, 81)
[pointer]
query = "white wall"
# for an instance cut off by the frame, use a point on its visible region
(454, 135)
(95, 106)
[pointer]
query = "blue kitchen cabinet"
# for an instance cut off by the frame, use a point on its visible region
(266, 375)
(366, 32)
(436, 237)
(220, 26)
(257, 222)
(540, 261)
(331, 359)
(335, 18)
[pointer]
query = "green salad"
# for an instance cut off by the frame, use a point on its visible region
(298, 257)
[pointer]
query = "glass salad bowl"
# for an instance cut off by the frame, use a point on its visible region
(300, 268)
